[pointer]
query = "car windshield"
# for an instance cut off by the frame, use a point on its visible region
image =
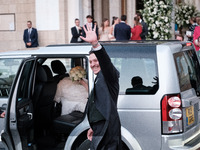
(8, 70)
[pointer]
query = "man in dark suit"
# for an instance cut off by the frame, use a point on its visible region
(76, 32)
(122, 30)
(90, 24)
(105, 131)
(144, 33)
(30, 36)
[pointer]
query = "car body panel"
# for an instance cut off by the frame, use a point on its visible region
(140, 115)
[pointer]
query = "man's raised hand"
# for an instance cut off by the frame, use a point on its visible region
(91, 36)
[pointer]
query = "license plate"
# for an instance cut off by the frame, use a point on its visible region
(189, 115)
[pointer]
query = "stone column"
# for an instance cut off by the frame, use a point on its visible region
(197, 4)
(74, 10)
(87, 9)
(114, 9)
(131, 11)
(98, 11)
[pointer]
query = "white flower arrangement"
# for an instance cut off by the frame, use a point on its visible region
(77, 73)
(183, 13)
(157, 15)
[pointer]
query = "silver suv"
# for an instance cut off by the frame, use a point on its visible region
(158, 103)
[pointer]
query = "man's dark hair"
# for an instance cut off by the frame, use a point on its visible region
(140, 15)
(29, 22)
(180, 35)
(114, 18)
(76, 19)
(123, 18)
(89, 16)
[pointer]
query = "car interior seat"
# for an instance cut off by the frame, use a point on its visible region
(59, 69)
(44, 101)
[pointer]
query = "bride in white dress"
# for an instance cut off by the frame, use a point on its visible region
(72, 94)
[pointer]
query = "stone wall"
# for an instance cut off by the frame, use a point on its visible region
(24, 10)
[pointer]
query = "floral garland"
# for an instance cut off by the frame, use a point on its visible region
(157, 15)
(183, 13)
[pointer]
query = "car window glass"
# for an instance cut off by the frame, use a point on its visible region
(8, 70)
(188, 70)
(138, 69)
(24, 84)
(68, 63)
(65, 61)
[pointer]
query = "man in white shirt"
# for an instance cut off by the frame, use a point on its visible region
(76, 32)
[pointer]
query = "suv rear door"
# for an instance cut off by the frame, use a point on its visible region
(20, 108)
(188, 70)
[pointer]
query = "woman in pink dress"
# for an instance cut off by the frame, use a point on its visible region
(196, 35)
(104, 30)
(136, 30)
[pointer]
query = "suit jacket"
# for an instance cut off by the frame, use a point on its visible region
(33, 37)
(97, 30)
(122, 31)
(75, 35)
(144, 31)
(106, 95)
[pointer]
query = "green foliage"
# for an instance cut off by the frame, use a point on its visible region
(157, 15)
(183, 13)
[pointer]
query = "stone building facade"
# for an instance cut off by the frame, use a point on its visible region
(54, 18)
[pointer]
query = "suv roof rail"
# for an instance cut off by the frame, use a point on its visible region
(121, 42)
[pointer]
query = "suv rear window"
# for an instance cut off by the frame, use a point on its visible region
(137, 66)
(188, 70)
(8, 70)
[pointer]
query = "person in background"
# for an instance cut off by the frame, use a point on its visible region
(180, 37)
(122, 31)
(136, 30)
(112, 28)
(144, 33)
(191, 29)
(196, 35)
(76, 32)
(104, 30)
(198, 42)
(137, 84)
(30, 36)
(72, 91)
(90, 25)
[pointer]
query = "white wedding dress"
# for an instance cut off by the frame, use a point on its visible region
(72, 95)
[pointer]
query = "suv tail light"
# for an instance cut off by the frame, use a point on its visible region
(172, 114)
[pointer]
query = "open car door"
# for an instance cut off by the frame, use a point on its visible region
(19, 116)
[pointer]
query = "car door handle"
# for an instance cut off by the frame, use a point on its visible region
(30, 116)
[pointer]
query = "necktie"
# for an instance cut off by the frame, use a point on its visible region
(29, 35)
